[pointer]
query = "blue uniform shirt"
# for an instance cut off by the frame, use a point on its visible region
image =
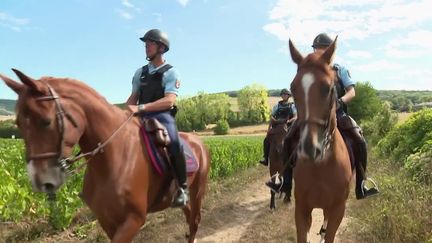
(344, 76)
(170, 79)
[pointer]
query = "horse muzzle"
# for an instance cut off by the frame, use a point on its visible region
(46, 180)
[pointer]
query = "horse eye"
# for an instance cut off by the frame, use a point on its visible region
(325, 90)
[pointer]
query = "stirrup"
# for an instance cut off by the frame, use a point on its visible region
(363, 187)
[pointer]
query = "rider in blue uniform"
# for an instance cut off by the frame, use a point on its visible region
(347, 126)
(155, 88)
(283, 112)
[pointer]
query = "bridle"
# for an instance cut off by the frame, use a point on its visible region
(324, 123)
(62, 162)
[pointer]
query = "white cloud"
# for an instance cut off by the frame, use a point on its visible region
(11, 22)
(414, 44)
(351, 19)
(126, 3)
(359, 54)
(124, 14)
(378, 66)
(183, 2)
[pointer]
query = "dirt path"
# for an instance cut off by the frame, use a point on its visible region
(236, 210)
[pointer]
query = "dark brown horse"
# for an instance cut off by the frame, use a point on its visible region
(276, 138)
(323, 172)
(120, 185)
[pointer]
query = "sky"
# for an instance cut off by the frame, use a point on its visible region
(216, 45)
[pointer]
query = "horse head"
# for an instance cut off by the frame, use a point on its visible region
(40, 117)
(314, 94)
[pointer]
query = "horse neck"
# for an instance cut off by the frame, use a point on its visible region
(99, 119)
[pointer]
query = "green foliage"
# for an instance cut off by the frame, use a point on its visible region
(18, 201)
(419, 165)
(253, 104)
(404, 101)
(231, 154)
(377, 127)
(222, 127)
(401, 213)
(408, 137)
(197, 112)
(366, 103)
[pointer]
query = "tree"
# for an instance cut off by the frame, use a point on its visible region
(253, 104)
(366, 104)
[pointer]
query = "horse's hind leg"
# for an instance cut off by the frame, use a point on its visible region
(303, 219)
(193, 212)
(334, 216)
(272, 200)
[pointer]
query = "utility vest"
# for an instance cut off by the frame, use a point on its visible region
(151, 88)
(284, 111)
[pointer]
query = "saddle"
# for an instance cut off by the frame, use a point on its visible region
(156, 140)
(158, 132)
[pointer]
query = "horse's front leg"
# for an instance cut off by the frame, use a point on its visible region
(272, 200)
(335, 216)
(303, 220)
(128, 229)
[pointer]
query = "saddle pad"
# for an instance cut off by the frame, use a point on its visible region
(159, 162)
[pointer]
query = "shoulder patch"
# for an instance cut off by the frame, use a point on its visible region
(177, 84)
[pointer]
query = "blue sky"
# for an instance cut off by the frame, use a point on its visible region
(215, 45)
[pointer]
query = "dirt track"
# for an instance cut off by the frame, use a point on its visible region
(236, 210)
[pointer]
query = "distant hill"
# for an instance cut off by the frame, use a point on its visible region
(401, 100)
(7, 107)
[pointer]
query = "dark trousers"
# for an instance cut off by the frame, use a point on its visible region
(174, 148)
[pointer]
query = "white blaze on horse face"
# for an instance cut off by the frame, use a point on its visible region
(307, 81)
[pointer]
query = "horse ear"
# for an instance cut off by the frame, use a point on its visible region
(295, 54)
(327, 56)
(15, 86)
(31, 83)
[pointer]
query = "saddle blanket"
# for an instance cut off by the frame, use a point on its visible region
(159, 162)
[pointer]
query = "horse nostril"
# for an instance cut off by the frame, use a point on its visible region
(48, 187)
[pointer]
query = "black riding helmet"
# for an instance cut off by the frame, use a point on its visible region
(285, 91)
(322, 40)
(158, 36)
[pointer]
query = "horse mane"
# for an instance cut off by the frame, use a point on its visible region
(73, 85)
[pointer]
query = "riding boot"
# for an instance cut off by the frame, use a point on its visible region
(266, 148)
(179, 165)
(360, 164)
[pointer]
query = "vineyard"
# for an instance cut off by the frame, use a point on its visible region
(19, 203)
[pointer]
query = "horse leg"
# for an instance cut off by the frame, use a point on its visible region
(335, 216)
(128, 229)
(323, 229)
(303, 218)
(272, 200)
(193, 212)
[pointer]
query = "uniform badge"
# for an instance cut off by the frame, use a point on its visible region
(177, 84)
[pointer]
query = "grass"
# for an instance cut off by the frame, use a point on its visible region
(401, 213)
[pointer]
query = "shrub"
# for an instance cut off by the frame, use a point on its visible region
(221, 128)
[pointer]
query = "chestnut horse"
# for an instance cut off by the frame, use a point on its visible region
(276, 139)
(323, 173)
(120, 185)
